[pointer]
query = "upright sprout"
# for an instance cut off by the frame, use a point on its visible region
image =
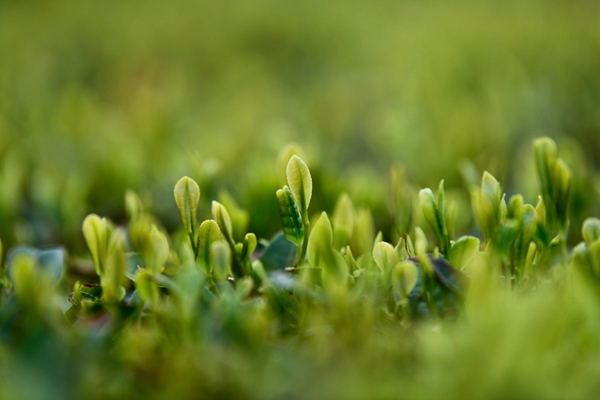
(294, 200)
(187, 197)
(554, 177)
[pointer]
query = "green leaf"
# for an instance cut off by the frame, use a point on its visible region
(545, 155)
(97, 235)
(350, 261)
(133, 205)
(363, 235)
(291, 219)
(385, 256)
(463, 251)
(240, 218)
(343, 221)
(49, 261)
(320, 242)
(433, 211)
(146, 287)
(221, 254)
(516, 208)
(220, 214)
(591, 230)
(116, 267)
(507, 235)
(322, 255)
(491, 196)
(187, 197)
(401, 250)
(208, 234)
(279, 254)
(158, 253)
(562, 187)
(248, 247)
(300, 182)
(404, 278)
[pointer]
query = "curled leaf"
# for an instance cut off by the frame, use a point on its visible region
(291, 219)
(463, 251)
(220, 214)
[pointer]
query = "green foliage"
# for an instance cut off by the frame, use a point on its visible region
(331, 289)
(102, 100)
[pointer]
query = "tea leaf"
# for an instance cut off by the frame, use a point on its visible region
(147, 288)
(291, 219)
(463, 251)
(159, 250)
(385, 256)
(208, 233)
(343, 221)
(187, 197)
(300, 182)
(221, 254)
(591, 230)
(279, 254)
(96, 234)
(248, 246)
(320, 242)
(220, 214)
(404, 278)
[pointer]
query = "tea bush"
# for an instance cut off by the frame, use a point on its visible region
(325, 309)
(327, 199)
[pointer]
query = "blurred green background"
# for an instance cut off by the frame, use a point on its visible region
(100, 96)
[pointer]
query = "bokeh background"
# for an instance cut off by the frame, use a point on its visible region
(97, 97)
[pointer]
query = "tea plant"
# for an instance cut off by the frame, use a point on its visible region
(324, 302)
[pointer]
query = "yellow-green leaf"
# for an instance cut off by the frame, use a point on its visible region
(385, 256)
(343, 221)
(463, 251)
(220, 214)
(187, 196)
(404, 278)
(221, 254)
(208, 234)
(591, 230)
(159, 249)
(320, 242)
(147, 287)
(95, 234)
(299, 181)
